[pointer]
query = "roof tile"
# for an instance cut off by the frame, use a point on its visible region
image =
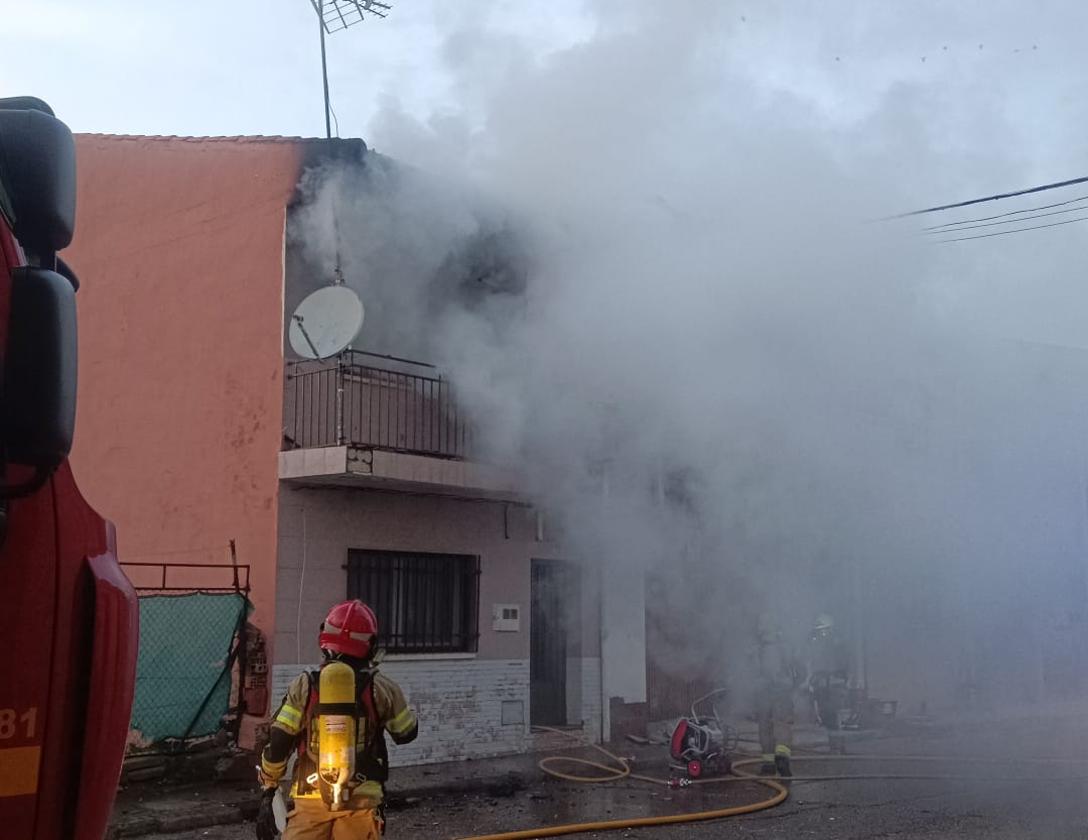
(241, 138)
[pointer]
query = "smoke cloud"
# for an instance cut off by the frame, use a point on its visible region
(648, 261)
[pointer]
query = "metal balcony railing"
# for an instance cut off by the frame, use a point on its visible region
(405, 407)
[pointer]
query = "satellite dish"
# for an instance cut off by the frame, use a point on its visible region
(326, 322)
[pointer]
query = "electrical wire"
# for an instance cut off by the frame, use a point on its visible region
(997, 197)
(335, 121)
(933, 232)
(1007, 232)
(301, 582)
(1010, 213)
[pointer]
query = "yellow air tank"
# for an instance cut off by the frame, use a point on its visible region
(336, 724)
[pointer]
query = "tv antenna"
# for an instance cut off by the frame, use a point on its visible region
(334, 16)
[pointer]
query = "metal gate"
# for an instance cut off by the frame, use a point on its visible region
(548, 643)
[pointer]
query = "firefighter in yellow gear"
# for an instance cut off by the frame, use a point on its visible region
(828, 678)
(780, 672)
(335, 720)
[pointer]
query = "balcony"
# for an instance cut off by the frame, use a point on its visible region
(363, 419)
(347, 402)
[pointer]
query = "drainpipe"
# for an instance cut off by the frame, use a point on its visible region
(605, 711)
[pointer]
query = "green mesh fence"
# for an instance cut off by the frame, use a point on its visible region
(184, 670)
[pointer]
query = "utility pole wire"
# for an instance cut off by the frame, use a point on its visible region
(997, 197)
(1007, 232)
(1010, 213)
(936, 232)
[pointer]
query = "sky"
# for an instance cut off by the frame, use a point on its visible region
(247, 67)
(200, 67)
(211, 68)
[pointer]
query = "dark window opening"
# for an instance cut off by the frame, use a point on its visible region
(425, 603)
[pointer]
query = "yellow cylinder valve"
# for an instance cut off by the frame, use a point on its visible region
(336, 732)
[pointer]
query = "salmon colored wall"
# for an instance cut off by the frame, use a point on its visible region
(179, 246)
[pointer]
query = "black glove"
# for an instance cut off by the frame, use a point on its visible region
(266, 820)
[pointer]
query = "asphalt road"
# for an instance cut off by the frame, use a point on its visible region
(900, 809)
(1002, 800)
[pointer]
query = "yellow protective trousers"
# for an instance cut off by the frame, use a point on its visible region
(312, 820)
(774, 712)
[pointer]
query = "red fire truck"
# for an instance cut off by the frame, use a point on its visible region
(68, 617)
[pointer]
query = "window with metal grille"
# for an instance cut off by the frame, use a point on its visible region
(425, 603)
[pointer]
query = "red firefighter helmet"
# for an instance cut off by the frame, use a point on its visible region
(349, 629)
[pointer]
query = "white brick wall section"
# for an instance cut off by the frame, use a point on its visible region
(458, 703)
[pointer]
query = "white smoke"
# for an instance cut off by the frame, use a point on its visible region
(718, 363)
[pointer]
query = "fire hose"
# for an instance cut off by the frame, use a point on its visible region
(619, 769)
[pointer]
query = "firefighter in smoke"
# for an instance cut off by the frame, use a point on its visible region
(780, 675)
(335, 721)
(828, 675)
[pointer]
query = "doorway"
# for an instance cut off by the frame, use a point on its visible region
(670, 690)
(554, 642)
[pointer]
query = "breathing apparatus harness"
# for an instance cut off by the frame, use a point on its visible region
(341, 699)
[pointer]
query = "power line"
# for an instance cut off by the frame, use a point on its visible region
(997, 197)
(1010, 213)
(336, 121)
(1007, 232)
(935, 232)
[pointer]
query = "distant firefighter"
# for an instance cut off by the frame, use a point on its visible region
(828, 675)
(780, 674)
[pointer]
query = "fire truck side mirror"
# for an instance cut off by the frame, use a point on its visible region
(39, 400)
(38, 173)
